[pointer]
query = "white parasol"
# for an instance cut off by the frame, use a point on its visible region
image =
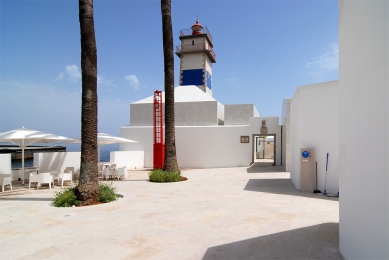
(24, 137)
(103, 139)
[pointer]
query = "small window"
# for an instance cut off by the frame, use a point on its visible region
(193, 42)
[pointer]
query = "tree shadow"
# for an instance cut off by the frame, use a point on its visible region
(313, 242)
(27, 199)
(123, 180)
(281, 186)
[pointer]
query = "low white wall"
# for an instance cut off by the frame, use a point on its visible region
(58, 161)
(130, 159)
(210, 147)
(314, 124)
(144, 138)
(206, 146)
(364, 129)
(6, 164)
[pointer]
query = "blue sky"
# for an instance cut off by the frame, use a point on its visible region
(265, 49)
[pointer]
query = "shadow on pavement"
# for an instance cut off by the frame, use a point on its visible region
(313, 242)
(281, 186)
(28, 199)
(258, 168)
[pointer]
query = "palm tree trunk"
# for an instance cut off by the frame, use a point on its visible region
(88, 187)
(170, 142)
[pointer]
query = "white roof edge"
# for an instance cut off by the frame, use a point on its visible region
(182, 94)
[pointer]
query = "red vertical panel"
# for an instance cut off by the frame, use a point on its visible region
(159, 145)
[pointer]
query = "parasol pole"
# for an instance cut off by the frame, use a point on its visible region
(98, 153)
(23, 161)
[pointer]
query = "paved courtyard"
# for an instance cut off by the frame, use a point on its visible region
(231, 213)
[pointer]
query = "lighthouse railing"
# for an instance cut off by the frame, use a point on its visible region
(196, 47)
(188, 32)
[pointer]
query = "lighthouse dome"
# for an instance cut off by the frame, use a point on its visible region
(197, 28)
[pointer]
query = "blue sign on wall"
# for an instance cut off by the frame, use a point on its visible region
(305, 154)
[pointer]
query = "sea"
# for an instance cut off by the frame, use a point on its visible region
(104, 153)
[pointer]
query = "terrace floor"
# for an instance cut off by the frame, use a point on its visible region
(230, 213)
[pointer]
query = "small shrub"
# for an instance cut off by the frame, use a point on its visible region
(107, 192)
(66, 198)
(163, 176)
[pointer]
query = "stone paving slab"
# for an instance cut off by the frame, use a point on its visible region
(231, 213)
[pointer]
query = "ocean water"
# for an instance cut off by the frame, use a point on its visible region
(104, 154)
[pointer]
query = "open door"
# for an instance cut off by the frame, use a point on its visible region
(264, 150)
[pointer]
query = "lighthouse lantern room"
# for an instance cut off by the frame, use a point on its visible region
(196, 57)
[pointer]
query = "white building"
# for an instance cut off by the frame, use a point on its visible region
(208, 133)
(314, 123)
(364, 115)
(348, 119)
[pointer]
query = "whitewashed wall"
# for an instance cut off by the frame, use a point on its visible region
(186, 113)
(239, 114)
(208, 65)
(192, 107)
(196, 113)
(197, 40)
(314, 124)
(142, 114)
(130, 159)
(285, 122)
(144, 137)
(205, 146)
(58, 161)
(364, 115)
(192, 61)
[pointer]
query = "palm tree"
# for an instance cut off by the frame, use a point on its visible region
(170, 139)
(88, 186)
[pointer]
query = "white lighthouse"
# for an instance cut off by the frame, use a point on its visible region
(196, 57)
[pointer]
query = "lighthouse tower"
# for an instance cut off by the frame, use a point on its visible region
(196, 57)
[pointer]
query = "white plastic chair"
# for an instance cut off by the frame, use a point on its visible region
(45, 177)
(115, 173)
(57, 177)
(112, 170)
(67, 176)
(106, 173)
(121, 172)
(68, 169)
(33, 178)
(5, 179)
(113, 166)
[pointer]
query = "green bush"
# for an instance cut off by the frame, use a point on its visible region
(107, 192)
(163, 176)
(66, 198)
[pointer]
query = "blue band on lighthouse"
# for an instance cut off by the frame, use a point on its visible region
(192, 77)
